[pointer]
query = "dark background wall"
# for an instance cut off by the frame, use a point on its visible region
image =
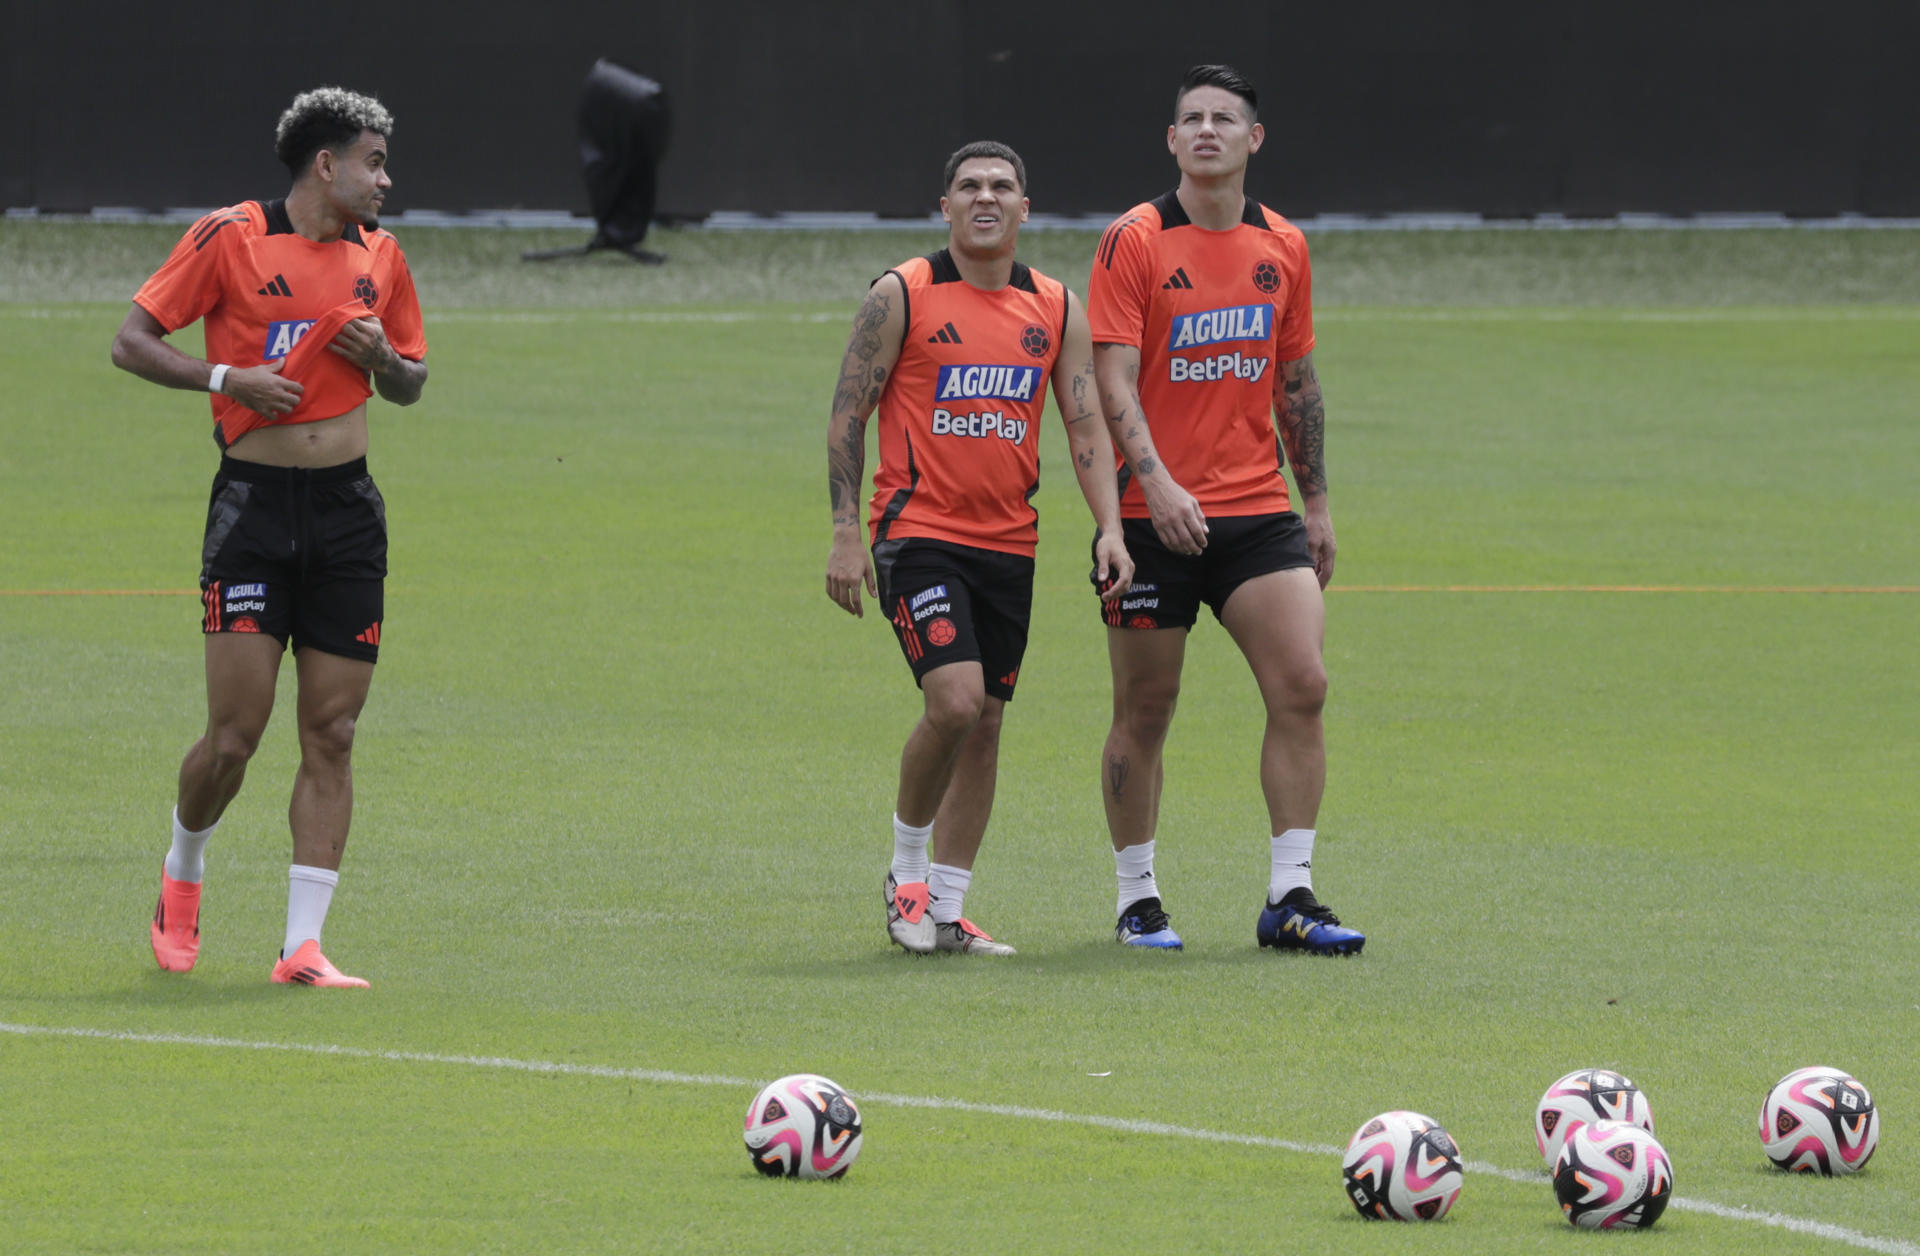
(1401, 105)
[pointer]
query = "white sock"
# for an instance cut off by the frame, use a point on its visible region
(1133, 868)
(949, 891)
(184, 862)
(1292, 863)
(309, 894)
(910, 851)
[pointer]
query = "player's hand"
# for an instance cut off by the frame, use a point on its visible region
(849, 565)
(363, 342)
(263, 390)
(1320, 542)
(1177, 518)
(1112, 565)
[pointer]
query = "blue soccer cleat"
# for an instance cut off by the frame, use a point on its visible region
(1144, 923)
(1299, 923)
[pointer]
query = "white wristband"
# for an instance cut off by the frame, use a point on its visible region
(218, 380)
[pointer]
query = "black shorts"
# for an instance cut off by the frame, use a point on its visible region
(1168, 587)
(955, 604)
(297, 553)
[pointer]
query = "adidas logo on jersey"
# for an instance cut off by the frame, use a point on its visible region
(1179, 279)
(948, 335)
(277, 287)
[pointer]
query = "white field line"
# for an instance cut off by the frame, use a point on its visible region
(1161, 1129)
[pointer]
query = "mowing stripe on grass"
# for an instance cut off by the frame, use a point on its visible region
(1124, 1125)
(1796, 589)
(1331, 314)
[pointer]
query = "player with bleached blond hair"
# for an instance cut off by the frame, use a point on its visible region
(308, 308)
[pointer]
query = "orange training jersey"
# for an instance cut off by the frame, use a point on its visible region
(268, 292)
(1213, 314)
(960, 419)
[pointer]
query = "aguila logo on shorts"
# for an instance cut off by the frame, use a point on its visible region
(1001, 383)
(1212, 327)
(921, 598)
(246, 590)
(941, 632)
(283, 336)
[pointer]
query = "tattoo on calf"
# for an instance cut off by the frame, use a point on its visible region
(1117, 767)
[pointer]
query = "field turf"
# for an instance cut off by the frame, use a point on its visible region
(1625, 771)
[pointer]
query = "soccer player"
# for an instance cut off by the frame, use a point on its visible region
(304, 299)
(955, 349)
(1202, 314)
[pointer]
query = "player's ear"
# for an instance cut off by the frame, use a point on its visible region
(1023, 208)
(1255, 135)
(1171, 147)
(946, 215)
(323, 165)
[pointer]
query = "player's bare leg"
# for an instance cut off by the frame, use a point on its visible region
(1279, 622)
(961, 824)
(1146, 667)
(241, 668)
(333, 690)
(953, 698)
(958, 831)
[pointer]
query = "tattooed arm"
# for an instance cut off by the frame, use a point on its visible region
(1302, 416)
(1077, 394)
(872, 350)
(1177, 518)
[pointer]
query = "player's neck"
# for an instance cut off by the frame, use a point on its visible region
(990, 271)
(1214, 204)
(312, 216)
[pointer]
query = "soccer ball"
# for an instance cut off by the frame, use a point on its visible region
(803, 1126)
(1581, 1097)
(1819, 1120)
(1610, 1175)
(1402, 1166)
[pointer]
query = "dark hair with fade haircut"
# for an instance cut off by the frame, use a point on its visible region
(1222, 76)
(326, 117)
(985, 148)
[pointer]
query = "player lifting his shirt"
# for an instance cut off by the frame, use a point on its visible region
(307, 307)
(1202, 315)
(956, 349)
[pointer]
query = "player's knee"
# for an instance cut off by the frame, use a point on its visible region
(986, 731)
(329, 737)
(1146, 711)
(955, 711)
(231, 745)
(1303, 690)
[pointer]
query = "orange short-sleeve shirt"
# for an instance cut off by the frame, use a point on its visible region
(269, 293)
(1213, 314)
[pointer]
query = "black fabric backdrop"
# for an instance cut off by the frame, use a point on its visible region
(1499, 108)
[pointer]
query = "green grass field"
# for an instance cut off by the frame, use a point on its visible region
(624, 781)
